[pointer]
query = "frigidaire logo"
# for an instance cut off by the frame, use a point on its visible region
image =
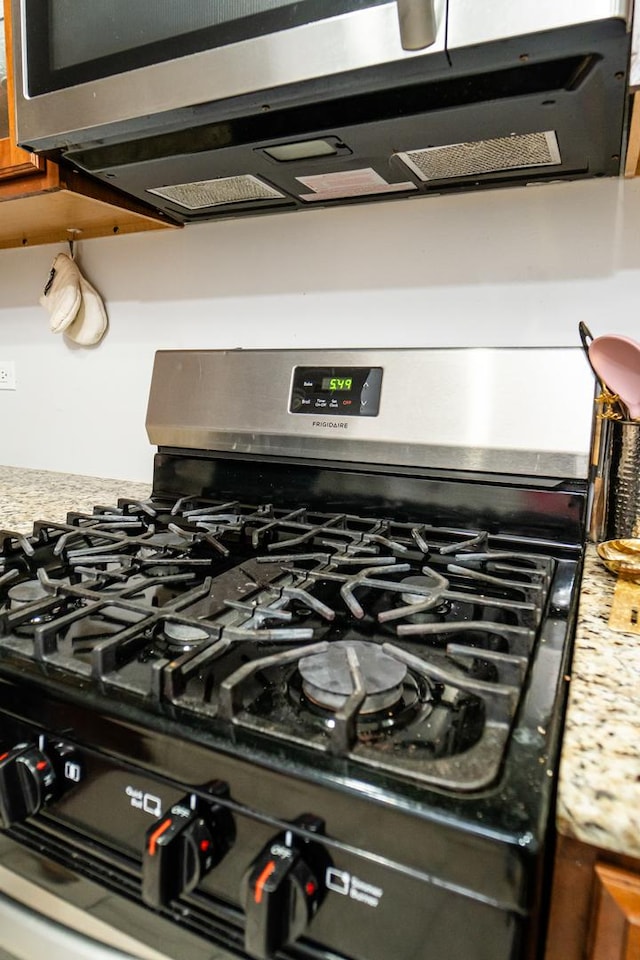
(329, 423)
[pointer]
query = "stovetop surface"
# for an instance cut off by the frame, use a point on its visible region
(404, 649)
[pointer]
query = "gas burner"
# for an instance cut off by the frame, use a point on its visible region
(328, 679)
(183, 636)
(415, 701)
(163, 571)
(24, 593)
(154, 545)
(409, 597)
(28, 604)
(434, 610)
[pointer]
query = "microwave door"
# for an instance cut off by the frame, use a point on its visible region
(77, 85)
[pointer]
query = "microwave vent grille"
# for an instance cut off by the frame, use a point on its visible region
(483, 156)
(212, 193)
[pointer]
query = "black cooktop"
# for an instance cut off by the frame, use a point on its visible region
(402, 645)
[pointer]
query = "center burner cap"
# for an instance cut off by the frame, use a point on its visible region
(184, 635)
(408, 596)
(163, 571)
(28, 591)
(154, 545)
(327, 678)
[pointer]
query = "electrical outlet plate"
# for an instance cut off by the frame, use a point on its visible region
(7, 375)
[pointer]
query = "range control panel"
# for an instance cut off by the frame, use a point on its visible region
(338, 391)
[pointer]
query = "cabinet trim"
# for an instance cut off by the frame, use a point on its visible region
(18, 163)
(14, 162)
(616, 919)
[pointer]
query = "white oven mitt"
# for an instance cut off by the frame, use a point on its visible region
(75, 307)
(62, 296)
(90, 322)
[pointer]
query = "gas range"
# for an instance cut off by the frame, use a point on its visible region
(293, 705)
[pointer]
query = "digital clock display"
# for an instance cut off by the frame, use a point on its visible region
(337, 384)
(336, 391)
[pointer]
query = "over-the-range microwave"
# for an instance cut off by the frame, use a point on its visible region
(216, 108)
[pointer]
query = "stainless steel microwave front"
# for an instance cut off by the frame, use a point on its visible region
(73, 81)
(121, 84)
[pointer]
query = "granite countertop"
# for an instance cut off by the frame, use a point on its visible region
(599, 788)
(28, 495)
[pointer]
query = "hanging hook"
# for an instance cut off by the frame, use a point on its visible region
(72, 241)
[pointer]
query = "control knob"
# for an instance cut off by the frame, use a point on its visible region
(181, 847)
(283, 889)
(32, 776)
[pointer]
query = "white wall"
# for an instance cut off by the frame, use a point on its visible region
(516, 267)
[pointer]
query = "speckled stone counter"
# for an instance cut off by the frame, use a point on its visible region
(599, 789)
(28, 495)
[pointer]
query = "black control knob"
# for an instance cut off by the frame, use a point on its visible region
(283, 889)
(32, 776)
(183, 846)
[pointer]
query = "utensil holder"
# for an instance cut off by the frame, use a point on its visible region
(615, 479)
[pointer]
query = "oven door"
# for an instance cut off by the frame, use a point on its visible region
(48, 912)
(116, 65)
(28, 934)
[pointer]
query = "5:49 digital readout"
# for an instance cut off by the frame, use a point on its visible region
(336, 391)
(337, 384)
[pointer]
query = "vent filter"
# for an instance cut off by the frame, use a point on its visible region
(483, 156)
(212, 193)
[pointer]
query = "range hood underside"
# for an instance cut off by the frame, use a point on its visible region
(531, 118)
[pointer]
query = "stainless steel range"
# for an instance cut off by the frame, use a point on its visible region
(305, 700)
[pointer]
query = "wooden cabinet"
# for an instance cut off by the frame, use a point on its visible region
(615, 925)
(632, 162)
(42, 201)
(595, 905)
(632, 159)
(13, 161)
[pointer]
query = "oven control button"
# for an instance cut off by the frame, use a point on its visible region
(181, 847)
(283, 889)
(31, 777)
